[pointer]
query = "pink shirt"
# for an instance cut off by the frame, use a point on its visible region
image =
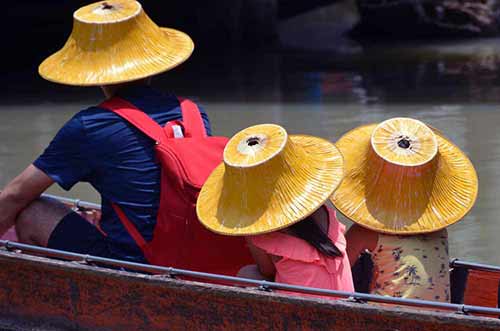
(302, 264)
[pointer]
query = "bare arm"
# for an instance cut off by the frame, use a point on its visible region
(19, 193)
(359, 239)
(264, 261)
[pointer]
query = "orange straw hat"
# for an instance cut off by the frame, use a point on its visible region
(402, 177)
(268, 181)
(114, 42)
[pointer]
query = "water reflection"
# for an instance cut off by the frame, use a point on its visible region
(467, 73)
(453, 87)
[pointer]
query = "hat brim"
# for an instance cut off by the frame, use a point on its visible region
(448, 196)
(69, 66)
(296, 195)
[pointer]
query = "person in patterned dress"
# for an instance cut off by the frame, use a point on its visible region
(404, 185)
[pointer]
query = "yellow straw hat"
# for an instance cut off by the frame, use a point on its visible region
(402, 177)
(114, 42)
(268, 181)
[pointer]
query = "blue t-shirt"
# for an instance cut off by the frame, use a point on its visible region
(99, 147)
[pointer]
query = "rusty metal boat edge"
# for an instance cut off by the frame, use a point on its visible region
(38, 293)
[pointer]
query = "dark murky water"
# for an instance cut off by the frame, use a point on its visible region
(452, 86)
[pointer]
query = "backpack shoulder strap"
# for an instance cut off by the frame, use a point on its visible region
(136, 117)
(191, 119)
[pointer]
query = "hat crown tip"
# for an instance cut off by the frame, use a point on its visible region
(404, 141)
(255, 145)
(108, 11)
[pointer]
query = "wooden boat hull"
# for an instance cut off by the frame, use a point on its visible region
(49, 294)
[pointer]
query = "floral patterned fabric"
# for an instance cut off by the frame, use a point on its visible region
(413, 267)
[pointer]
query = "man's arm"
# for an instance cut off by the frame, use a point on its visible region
(19, 193)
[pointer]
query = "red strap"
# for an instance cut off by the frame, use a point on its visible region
(132, 230)
(136, 117)
(191, 119)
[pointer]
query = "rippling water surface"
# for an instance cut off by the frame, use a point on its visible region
(453, 86)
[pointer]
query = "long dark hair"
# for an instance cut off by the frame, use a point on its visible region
(309, 230)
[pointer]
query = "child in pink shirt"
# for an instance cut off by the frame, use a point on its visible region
(309, 253)
(271, 188)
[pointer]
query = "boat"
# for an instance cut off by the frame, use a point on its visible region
(47, 289)
(409, 19)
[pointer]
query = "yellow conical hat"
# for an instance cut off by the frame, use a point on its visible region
(113, 42)
(402, 177)
(268, 181)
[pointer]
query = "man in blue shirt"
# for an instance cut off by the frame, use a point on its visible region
(118, 48)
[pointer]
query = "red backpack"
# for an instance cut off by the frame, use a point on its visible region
(179, 239)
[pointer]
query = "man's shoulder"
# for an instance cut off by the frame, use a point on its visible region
(161, 108)
(94, 111)
(95, 117)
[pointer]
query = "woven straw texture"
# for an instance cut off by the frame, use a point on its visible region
(268, 181)
(114, 42)
(401, 177)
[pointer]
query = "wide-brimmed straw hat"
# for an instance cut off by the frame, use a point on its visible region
(268, 181)
(114, 42)
(403, 177)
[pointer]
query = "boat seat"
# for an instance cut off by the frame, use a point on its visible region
(475, 287)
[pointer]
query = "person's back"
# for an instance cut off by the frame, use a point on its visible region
(99, 147)
(413, 267)
(298, 262)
